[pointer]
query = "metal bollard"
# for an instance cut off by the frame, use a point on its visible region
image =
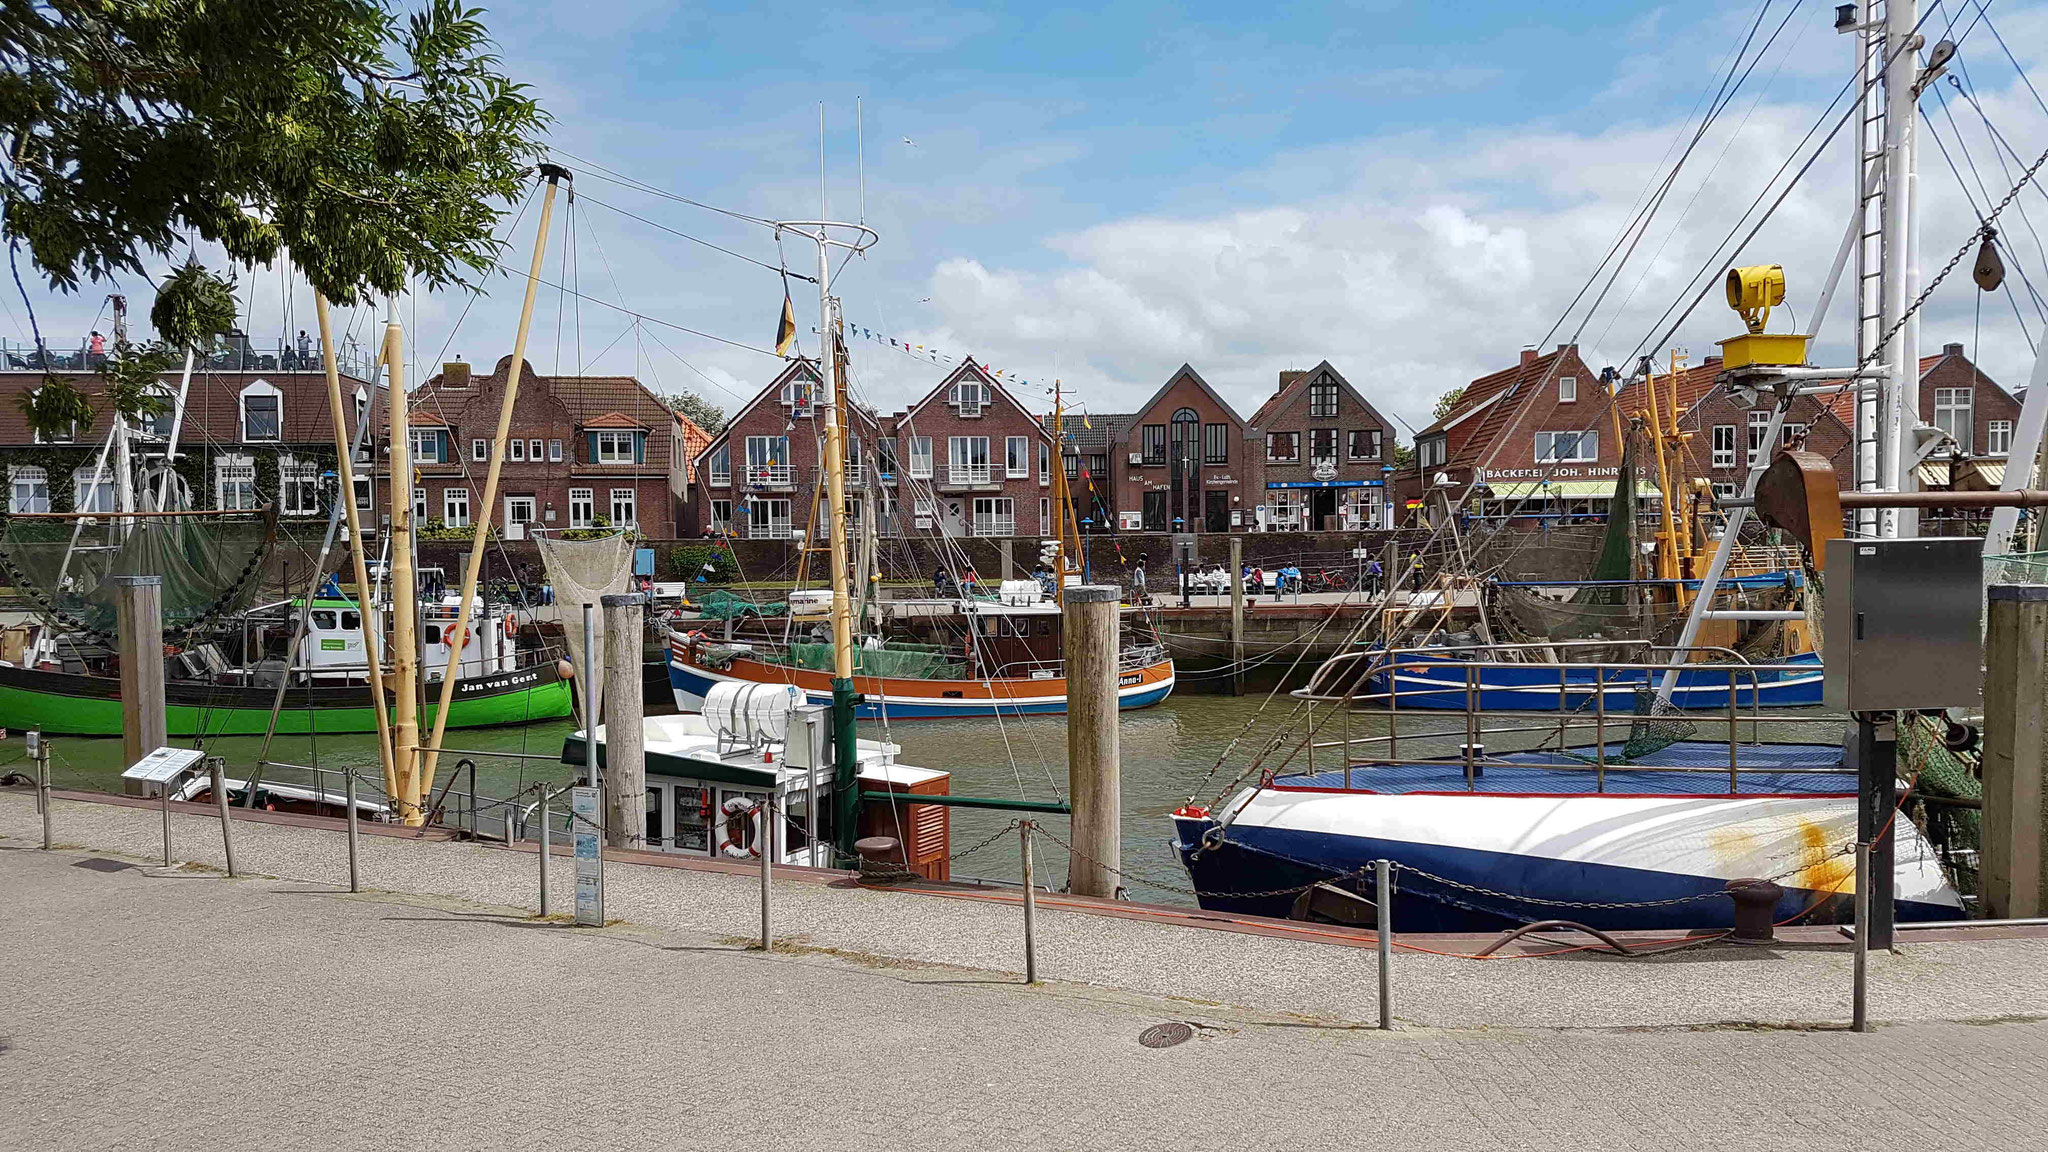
(216, 770)
(1859, 1016)
(1383, 917)
(1030, 907)
(355, 875)
(167, 821)
(764, 842)
(511, 823)
(40, 745)
(546, 837)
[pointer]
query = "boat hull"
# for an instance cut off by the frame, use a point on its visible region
(1535, 687)
(908, 699)
(69, 704)
(1526, 853)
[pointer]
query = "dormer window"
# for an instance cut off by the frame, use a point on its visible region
(969, 397)
(262, 412)
(799, 396)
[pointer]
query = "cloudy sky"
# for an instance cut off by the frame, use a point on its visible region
(1412, 191)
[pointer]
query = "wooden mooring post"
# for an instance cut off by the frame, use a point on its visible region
(2013, 860)
(1094, 754)
(625, 766)
(1236, 616)
(139, 618)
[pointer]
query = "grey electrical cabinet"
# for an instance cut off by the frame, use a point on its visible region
(1902, 624)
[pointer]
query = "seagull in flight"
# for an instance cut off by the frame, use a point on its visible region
(909, 141)
(926, 300)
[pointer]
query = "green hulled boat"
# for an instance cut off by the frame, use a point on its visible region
(71, 704)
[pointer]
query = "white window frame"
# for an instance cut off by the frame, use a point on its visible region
(534, 448)
(554, 451)
(583, 508)
(259, 388)
(1320, 391)
(1790, 434)
(969, 398)
(1998, 438)
(1724, 490)
(1017, 457)
(1567, 389)
(84, 491)
(416, 437)
(1759, 423)
(1432, 452)
(920, 457)
(718, 465)
(1723, 446)
(1955, 412)
(721, 515)
(993, 516)
(800, 396)
(967, 460)
(1584, 446)
(454, 512)
(298, 487)
(1044, 462)
(763, 523)
(28, 489)
(608, 440)
(480, 450)
(1044, 515)
(515, 451)
(629, 499)
(233, 468)
(419, 507)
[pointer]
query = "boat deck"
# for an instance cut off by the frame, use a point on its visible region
(1687, 768)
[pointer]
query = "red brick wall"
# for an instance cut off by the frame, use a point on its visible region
(1003, 417)
(1241, 479)
(1292, 413)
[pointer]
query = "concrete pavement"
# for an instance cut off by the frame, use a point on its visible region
(175, 1010)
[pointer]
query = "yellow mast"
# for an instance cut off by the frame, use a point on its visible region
(405, 731)
(1064, 523)
(1667, 559)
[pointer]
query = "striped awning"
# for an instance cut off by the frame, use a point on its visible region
(1979, 475)
(1567, 490)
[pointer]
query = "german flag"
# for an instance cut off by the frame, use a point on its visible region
(785, 328)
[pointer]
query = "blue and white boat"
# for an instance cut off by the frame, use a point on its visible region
(1439, 680)
(1530, 839)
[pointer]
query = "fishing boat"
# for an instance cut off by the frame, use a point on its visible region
(1009, 665)
(1447, 678)
(1525, 837)
(211, 690)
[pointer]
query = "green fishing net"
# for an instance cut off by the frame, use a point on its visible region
(210, 565)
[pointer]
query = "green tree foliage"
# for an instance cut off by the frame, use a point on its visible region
(193, 306)
(130, 378)
(371, 141)
(1448, 402)
(708, 416)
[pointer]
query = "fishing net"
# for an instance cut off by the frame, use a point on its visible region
(581, 572)
(1955, 830)
(210, 565)
(720, 604)
(901, 661)
(1656, 725)
(1589, 614)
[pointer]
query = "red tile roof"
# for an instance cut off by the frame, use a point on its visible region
(1504, 386)
(695, 438)
(614, 420)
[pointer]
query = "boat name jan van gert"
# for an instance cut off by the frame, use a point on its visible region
(498, 685)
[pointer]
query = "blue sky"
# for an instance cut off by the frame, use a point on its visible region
(1413, 191)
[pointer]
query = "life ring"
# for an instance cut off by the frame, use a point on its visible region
(454, 637)
(741, 839)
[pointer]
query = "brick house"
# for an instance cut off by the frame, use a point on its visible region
(759, 476)
(1327, 454)
(975, 461)
(1091, 442)
(1955, 396)
(583, 452)
(1181, 463)
(253, 432)
(1541, 434)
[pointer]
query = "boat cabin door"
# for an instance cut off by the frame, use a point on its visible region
(680, 818)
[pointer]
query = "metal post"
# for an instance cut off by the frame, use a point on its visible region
(764, 843)
(1030, 906)
(1859, 1019)
(1237, 617)
(590, 694)
(1734, 765)
(215, 768)
(42, 744)
(1877, 752)
(1383, 916)
(546, 844)
(167, 788)
(1600, 727)
(355, 875)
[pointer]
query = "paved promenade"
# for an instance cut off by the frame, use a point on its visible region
(175, 1009)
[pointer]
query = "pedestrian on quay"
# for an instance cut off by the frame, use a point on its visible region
(1373, 576)
(1139, 594)
(1415, 574)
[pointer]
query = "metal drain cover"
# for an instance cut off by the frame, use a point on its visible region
(1165, 1035)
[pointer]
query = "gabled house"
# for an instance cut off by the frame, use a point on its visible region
(974, 461)
(1326, 452)
(1182, 462)
(760, 475)
(1088, 456)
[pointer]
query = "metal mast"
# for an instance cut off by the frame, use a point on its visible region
(1899, 411)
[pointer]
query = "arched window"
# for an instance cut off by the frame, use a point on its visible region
(262, 412)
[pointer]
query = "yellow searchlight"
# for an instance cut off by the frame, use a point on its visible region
(1753, 292)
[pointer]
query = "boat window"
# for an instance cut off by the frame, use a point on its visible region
(323, 619)
(796, 806)
(1045, 627)
(657, 836)
(433, 632)
(351, 620)
(693, 819)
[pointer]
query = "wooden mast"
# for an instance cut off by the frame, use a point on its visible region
(366, 610)
(405, 604)
(1064, 523)
(555, 174)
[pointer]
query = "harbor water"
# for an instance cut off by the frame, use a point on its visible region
(1169, 752)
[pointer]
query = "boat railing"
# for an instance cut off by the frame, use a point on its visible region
(1593, 680)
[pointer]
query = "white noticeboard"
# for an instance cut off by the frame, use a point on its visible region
(164, 765)
(588, 839)
(1361, 553)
